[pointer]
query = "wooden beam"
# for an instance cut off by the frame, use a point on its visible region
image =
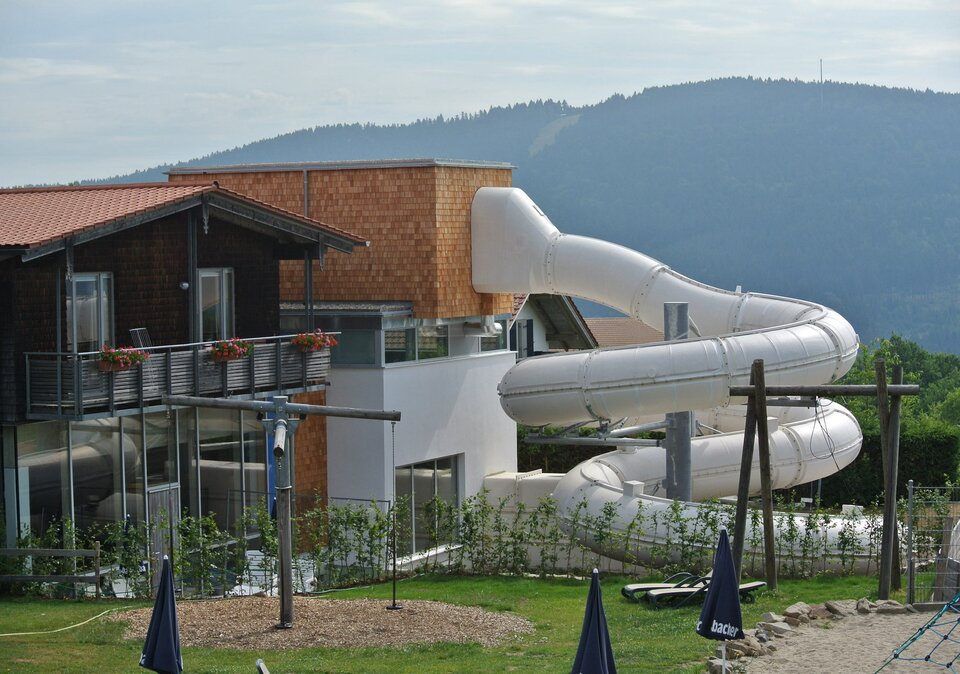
(766, 478)
(827, 390)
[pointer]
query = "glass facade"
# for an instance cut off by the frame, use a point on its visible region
(98, 471)
(412, 344)
(43, 475)
(98, 475)
(418, 484)
(399, 346)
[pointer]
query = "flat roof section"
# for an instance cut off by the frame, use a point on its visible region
(340, 166)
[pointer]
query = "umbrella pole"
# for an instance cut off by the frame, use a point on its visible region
(723, 655)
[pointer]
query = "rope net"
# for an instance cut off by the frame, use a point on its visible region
(937, 642)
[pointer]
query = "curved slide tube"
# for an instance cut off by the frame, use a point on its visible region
(517, 249)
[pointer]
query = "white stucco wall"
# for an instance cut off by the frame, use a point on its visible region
(539, 329)
(448, 407)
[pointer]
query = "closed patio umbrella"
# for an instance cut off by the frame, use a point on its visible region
(720, 617)
(594, 654)
(161, 650)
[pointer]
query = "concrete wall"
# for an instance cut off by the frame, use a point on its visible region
(449, 406)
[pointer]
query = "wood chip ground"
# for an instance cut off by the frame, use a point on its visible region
(250, 623)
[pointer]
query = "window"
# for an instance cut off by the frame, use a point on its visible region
(432, 342)
(355, 347)
(399, 345)
(89, 311)
(415, 344)
(424, 486)
(497, 343)
(216, 304)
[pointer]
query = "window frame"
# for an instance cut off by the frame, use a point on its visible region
(105, 322)
(226, 306)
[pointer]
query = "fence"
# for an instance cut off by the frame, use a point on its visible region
(932, 543)
(94, 578)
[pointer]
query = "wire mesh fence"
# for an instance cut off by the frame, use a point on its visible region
(932, 543)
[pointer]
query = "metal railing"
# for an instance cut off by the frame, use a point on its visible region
(73, 386)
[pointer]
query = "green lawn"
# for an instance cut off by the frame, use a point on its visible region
(644, 639)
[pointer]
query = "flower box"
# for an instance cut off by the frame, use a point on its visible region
(230, 349)
(110, 366)
(312, 341)
(114, 359)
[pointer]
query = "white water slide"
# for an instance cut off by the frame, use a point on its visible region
(517, 249)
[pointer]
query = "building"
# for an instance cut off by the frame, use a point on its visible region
(414, 334)
(177, 266)
(545, 323)
(242, 250)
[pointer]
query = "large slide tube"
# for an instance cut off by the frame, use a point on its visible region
(517, 249)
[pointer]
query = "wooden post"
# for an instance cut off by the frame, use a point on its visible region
(896, 406)
(766, 478)
(743, 489)
(96, 566)
(889, 541)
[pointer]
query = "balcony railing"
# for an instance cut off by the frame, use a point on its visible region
(71, 386)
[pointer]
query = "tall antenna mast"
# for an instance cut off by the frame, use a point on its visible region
(821, 84)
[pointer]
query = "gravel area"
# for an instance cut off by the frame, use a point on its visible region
(249, 623)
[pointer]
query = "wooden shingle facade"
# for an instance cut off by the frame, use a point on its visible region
(416, 214)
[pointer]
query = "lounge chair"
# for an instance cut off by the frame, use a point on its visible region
(682, 579)
(679, 596)
(262, 667)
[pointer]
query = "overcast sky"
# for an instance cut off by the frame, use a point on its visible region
(104, 87)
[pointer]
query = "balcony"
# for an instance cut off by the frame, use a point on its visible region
(71, 386)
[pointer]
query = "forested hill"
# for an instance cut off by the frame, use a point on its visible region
(843, 194)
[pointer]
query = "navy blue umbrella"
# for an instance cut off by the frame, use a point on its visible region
(720, 617)
(161, 650)
(594, 654)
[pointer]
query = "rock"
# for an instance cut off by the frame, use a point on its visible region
(890, 607)
(864, 606)
(797, 610)
(779, 629)
(770, 617)
(819, 612)
(715, 666)
(793, 622)
(842, 607)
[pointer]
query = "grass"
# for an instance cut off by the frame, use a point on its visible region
(644, 639)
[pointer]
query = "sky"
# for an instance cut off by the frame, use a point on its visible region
(105, 87)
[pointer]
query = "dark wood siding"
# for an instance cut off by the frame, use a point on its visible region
(148, 263)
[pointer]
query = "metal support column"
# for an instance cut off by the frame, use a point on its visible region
(676, 326)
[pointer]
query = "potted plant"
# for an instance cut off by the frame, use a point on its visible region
(114, 359)
(312, 341)
(231, 349)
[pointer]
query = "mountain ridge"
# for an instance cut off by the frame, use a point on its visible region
(845, 194)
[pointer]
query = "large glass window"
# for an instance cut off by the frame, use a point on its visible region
(43, 475)
(355, 347)
(418, 484)
(497, 343)
(415, 344)
(254, 461)
(89, 311)
(221, 480)
(432, 342)
(98, 490)
(399, 345)
(216, 304)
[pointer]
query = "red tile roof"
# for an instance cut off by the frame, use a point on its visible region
(622, 331)
(32, 217)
